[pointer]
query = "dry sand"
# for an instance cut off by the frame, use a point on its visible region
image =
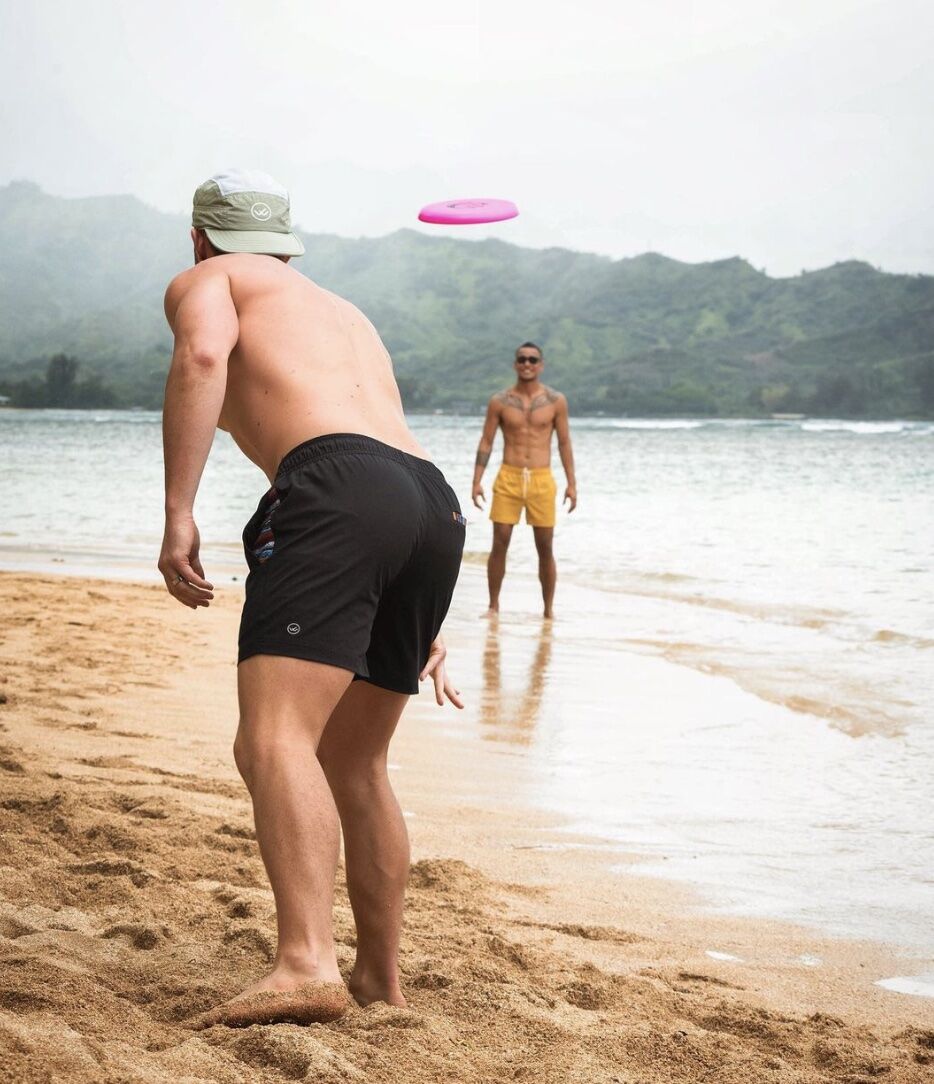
(132, 897)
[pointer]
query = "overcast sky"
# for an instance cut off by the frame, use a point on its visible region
(791, 132)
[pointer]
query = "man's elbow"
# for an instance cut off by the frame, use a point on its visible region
(200, 359)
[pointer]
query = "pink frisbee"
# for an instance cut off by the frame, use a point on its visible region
(468, 212)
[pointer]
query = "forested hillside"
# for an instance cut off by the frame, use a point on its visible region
(646, 335)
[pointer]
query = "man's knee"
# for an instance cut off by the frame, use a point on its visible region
(242, 757)
(257, 745)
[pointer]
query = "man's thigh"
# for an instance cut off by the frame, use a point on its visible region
(278, 693)
(361, 727)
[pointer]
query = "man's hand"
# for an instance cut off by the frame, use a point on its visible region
(570, 496)
(478, 495)
(180, 565)
(435, 668)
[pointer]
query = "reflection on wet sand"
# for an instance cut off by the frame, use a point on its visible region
(503, 715)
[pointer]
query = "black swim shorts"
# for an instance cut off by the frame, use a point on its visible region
(353, 557)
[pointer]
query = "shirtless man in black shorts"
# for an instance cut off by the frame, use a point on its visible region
(353, 554)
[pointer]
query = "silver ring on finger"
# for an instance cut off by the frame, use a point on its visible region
(179, 579)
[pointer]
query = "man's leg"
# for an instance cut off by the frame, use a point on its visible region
(284, 707)
(353, 753)
(547, 569)
(496, 562)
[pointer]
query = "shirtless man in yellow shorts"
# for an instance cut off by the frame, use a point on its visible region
(528, 413)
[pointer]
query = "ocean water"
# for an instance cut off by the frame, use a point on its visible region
(785, 567)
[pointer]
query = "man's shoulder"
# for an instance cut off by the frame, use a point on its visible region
(552, 395)
(200, 272)
(193, 277)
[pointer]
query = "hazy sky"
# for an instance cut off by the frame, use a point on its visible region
(791, 132)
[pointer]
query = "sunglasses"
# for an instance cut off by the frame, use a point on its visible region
(525, 360)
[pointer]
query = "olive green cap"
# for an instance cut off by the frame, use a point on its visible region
(245, 210)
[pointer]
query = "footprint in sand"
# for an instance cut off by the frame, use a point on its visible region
(250, 940)
(22, 1001)
(587, 995)
(430, 980)
(238, 831)
(12, 928)
(293, 1056)
(707, 980)
(108, 762)
(114, 867)
(152, 808)
(140, 937)
(240, 908)
(9, 763)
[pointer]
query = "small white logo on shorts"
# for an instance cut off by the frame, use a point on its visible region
(293, 629)
(261, 212)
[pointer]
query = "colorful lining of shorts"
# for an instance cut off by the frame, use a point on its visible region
(533, 489)
(353, 556)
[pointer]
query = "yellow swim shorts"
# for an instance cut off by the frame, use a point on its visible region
(533, 489)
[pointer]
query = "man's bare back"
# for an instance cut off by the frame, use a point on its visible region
(306, 362)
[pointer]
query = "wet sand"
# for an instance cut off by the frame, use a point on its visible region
(132, 897)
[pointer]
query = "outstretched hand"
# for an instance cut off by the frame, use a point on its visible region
(435, 669)
(180, 564)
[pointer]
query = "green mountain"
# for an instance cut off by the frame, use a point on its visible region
(646, 335)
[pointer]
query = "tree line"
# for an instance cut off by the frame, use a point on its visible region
(61, 388)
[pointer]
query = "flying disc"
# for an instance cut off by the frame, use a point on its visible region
(468, 212)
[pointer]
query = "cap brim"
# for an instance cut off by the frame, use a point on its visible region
(262, 242)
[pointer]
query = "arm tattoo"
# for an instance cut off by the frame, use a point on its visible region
(482, 459)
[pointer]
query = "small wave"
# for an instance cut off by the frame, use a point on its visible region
(917, 985)
(655, 423)
(869, 428)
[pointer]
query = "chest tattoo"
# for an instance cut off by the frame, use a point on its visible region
(544, 398)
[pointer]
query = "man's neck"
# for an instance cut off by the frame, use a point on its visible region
(528, 389)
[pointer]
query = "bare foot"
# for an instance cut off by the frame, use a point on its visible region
(367, 990)
(493, 611)
(309, 1003)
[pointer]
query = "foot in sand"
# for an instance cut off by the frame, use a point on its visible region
(293, 994)
(368, 989)
(309, 1003)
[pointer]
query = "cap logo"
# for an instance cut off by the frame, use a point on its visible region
(261, 212)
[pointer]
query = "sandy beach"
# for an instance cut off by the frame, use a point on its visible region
(132, 897)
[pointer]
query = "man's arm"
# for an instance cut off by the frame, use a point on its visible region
(563, 429)
(201, 312)
(485, 447)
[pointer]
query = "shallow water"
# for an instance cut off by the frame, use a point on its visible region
(785, 567)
